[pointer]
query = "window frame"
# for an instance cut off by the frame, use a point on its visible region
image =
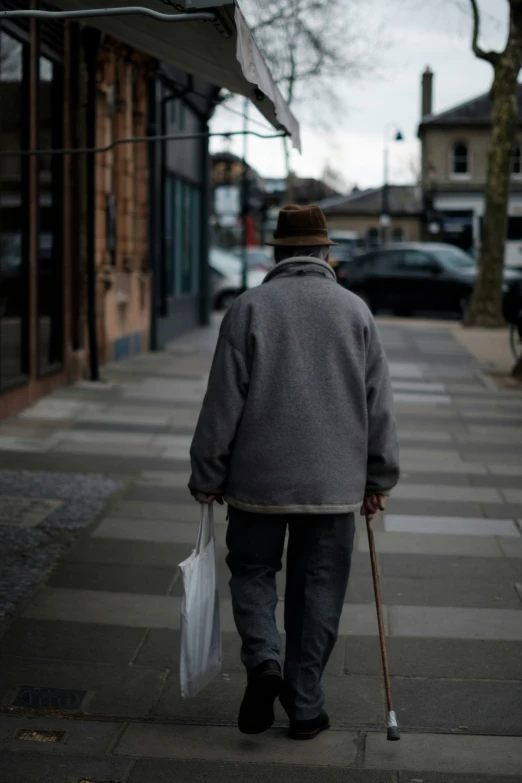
(462, 175)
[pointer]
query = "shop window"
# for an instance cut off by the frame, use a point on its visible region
(14, 226)
(460, 159)
(181, 237)
(516, 161)
(50, 210)
(398, 234)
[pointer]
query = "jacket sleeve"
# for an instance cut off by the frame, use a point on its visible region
(382, 472)
(219, 418)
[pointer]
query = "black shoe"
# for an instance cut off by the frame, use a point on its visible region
(257, 709)
(308, 729)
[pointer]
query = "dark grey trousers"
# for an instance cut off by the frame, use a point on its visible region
(318, 565)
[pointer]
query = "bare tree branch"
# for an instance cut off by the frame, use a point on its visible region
(490, 57)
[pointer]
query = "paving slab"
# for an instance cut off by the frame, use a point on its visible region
(444, 508)
(450, 493)
(506, 470)
(160, 771)
(157, 611)
(444, 479)
(442, 753)
(511, 547)
(512, 495)
(479, 705)
(175, 495)
(111, 690)
(445, 777)
(478, 593)
(114, 578)
(132, 552)
(85, 738)
(503, 511)
(215, 743)
(467, 526)
(161, 651)
(87, 642)
(414, 398)
(351, 701)
(504, 481)
(149, 530)
(104, 437)
(449, 567)
(465, 659)
(115, 450)
(181, 512)
(162, 478)
(429, 544)
(455, 623)
(32, 768)
(433, 466)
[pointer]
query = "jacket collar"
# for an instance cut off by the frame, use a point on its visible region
(297, 264)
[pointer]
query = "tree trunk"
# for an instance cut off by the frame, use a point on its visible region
(486, 304)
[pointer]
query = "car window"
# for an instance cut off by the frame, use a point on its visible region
(454, 258)
(387, 261)
(415, 259)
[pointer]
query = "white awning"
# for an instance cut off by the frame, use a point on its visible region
(201, 48)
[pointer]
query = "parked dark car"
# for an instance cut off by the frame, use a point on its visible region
(412, 276)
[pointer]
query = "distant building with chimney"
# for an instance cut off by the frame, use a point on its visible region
(454, 145)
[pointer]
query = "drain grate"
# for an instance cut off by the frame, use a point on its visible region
(40, 735)
(56, 698)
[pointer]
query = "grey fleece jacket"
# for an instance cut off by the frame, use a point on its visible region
(298, 415)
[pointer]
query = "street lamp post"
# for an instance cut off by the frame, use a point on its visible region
(385, 208)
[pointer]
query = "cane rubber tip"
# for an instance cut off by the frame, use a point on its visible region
(393, 734)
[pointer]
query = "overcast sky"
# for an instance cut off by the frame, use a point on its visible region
(419, 33)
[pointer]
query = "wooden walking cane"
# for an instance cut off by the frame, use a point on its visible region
(393, 729)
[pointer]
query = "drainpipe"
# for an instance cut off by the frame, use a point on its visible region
(91, 43)
(154, 230)
(204, 277)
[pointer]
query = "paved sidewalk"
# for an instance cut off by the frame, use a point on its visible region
(92, 479)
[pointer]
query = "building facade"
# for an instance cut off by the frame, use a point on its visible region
(454, 147)
(103, 225)
(83, 236)
(360, 211)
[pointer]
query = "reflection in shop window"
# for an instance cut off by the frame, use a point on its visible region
(14, 292)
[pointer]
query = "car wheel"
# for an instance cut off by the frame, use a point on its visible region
(367, 300)
(226, 299)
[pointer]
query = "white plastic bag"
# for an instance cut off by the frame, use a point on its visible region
(200, 658)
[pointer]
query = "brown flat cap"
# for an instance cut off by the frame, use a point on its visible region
(301, 226)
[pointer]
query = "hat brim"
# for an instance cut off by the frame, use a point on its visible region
(301, 241)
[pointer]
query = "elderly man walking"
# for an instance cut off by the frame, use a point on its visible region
(296, 433)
